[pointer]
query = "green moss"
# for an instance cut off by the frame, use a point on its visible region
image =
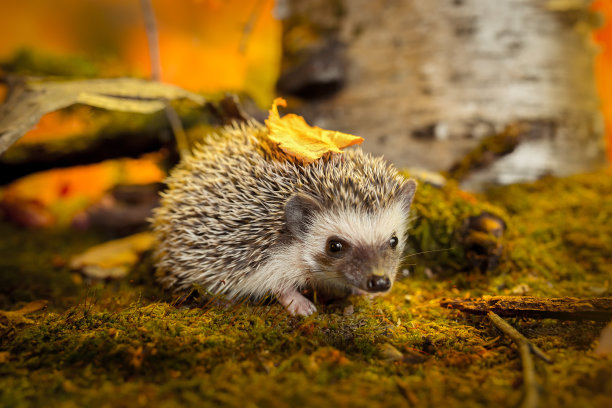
(27, 61)
(560, 233)
(488, 150)
(126, 343)
(439, 218)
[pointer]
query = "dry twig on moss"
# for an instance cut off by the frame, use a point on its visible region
(516, 337)
(531, 398)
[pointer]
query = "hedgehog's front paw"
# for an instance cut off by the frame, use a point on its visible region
(296, 304)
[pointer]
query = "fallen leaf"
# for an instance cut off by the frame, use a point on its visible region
(138, 357)
(390, 353)
(4, 357)
(13, 317)
(302, 141)
(519, 290)
(605, 341)
(32, 307)
(113, 259)
(327, 356)
(349, 310)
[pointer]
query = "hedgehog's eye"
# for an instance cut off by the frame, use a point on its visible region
(393, 241)
(334, 246)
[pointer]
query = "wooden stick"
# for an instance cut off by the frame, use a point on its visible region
(517, 337)
(182, 143)
(540, 308)
(530, 384)
(152, 38)
(248, 27)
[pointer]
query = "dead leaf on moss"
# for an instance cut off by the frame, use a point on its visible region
(390, 353)
(14, 317)
(138, 357)
(327, 356)
(302, 141)
(4, 357)
(29, 100)
(113, 259)
(605, 341)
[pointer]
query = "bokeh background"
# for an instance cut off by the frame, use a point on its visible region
(468, 96)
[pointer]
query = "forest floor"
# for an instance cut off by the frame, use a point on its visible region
(127, 343)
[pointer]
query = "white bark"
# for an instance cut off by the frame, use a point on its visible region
(428, 78)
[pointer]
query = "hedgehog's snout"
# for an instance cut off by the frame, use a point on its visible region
(379, 283)
(370, 268)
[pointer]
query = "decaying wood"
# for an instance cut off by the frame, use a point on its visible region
(125, 209)
(27, 158)
(29, 100)
(111, 135)
(527, 306)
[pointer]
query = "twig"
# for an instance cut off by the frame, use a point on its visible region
(528, 306)
(155, 58)
(517, 337)
(152, 38)
(248, 27)
(182, 143)
(532, 395)
(531, 399)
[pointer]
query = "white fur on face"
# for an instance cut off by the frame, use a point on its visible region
(289, 267)
(357, 228)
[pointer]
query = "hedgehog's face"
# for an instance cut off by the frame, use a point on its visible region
(351, 249)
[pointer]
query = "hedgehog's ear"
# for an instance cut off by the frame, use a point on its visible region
(299, 209)
(408, 191)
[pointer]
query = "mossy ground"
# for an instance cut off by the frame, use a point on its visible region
(126, 343)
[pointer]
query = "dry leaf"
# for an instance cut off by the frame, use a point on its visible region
(605, 341)
(4, 357)
(390, 353)
(302, 141)
(14, 317)
(113, 259)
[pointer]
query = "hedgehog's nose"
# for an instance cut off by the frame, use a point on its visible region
(379, 283)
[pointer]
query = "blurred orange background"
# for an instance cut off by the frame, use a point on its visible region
(205, 45)
(603, 67)
(208, 46)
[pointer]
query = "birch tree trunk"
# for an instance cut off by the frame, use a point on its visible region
(425, 81)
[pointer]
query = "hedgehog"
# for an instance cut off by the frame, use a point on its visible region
(242, 218)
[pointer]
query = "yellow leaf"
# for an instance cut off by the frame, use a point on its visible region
(113, 259)
(15, 317)
(302, 141)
